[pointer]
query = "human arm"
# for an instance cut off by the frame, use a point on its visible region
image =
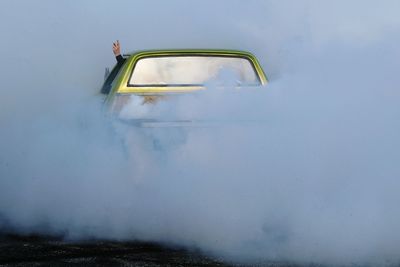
(117, 52)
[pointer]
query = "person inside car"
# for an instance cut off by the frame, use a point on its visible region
(110, 76)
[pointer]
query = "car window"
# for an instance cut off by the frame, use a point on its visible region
(111, 77)
(191, 70)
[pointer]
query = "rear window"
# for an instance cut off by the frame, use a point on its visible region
(192, 70)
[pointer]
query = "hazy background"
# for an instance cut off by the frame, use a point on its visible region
(307, 173)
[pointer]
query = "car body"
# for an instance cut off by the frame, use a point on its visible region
(157, 74)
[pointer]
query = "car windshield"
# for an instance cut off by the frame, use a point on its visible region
(192, 70)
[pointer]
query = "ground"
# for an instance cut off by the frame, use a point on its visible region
(16, 250)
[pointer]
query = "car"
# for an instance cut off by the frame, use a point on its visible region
(156, 74)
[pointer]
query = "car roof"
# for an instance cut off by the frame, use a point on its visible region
(191, 51)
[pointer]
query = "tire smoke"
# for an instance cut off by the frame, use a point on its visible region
(304, 170)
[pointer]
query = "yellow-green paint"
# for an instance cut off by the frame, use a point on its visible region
(120, 84)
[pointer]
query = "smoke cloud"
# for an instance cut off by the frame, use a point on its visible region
(304, 170)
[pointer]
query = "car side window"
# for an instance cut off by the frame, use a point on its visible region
(105, 89)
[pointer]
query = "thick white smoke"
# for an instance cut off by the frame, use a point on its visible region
(304, 170)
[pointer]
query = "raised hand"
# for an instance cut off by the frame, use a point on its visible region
(116, 48)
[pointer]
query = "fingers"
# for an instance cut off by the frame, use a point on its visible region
(116, 44)
(116, 48)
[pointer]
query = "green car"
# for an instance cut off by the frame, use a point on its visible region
(157, 74)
